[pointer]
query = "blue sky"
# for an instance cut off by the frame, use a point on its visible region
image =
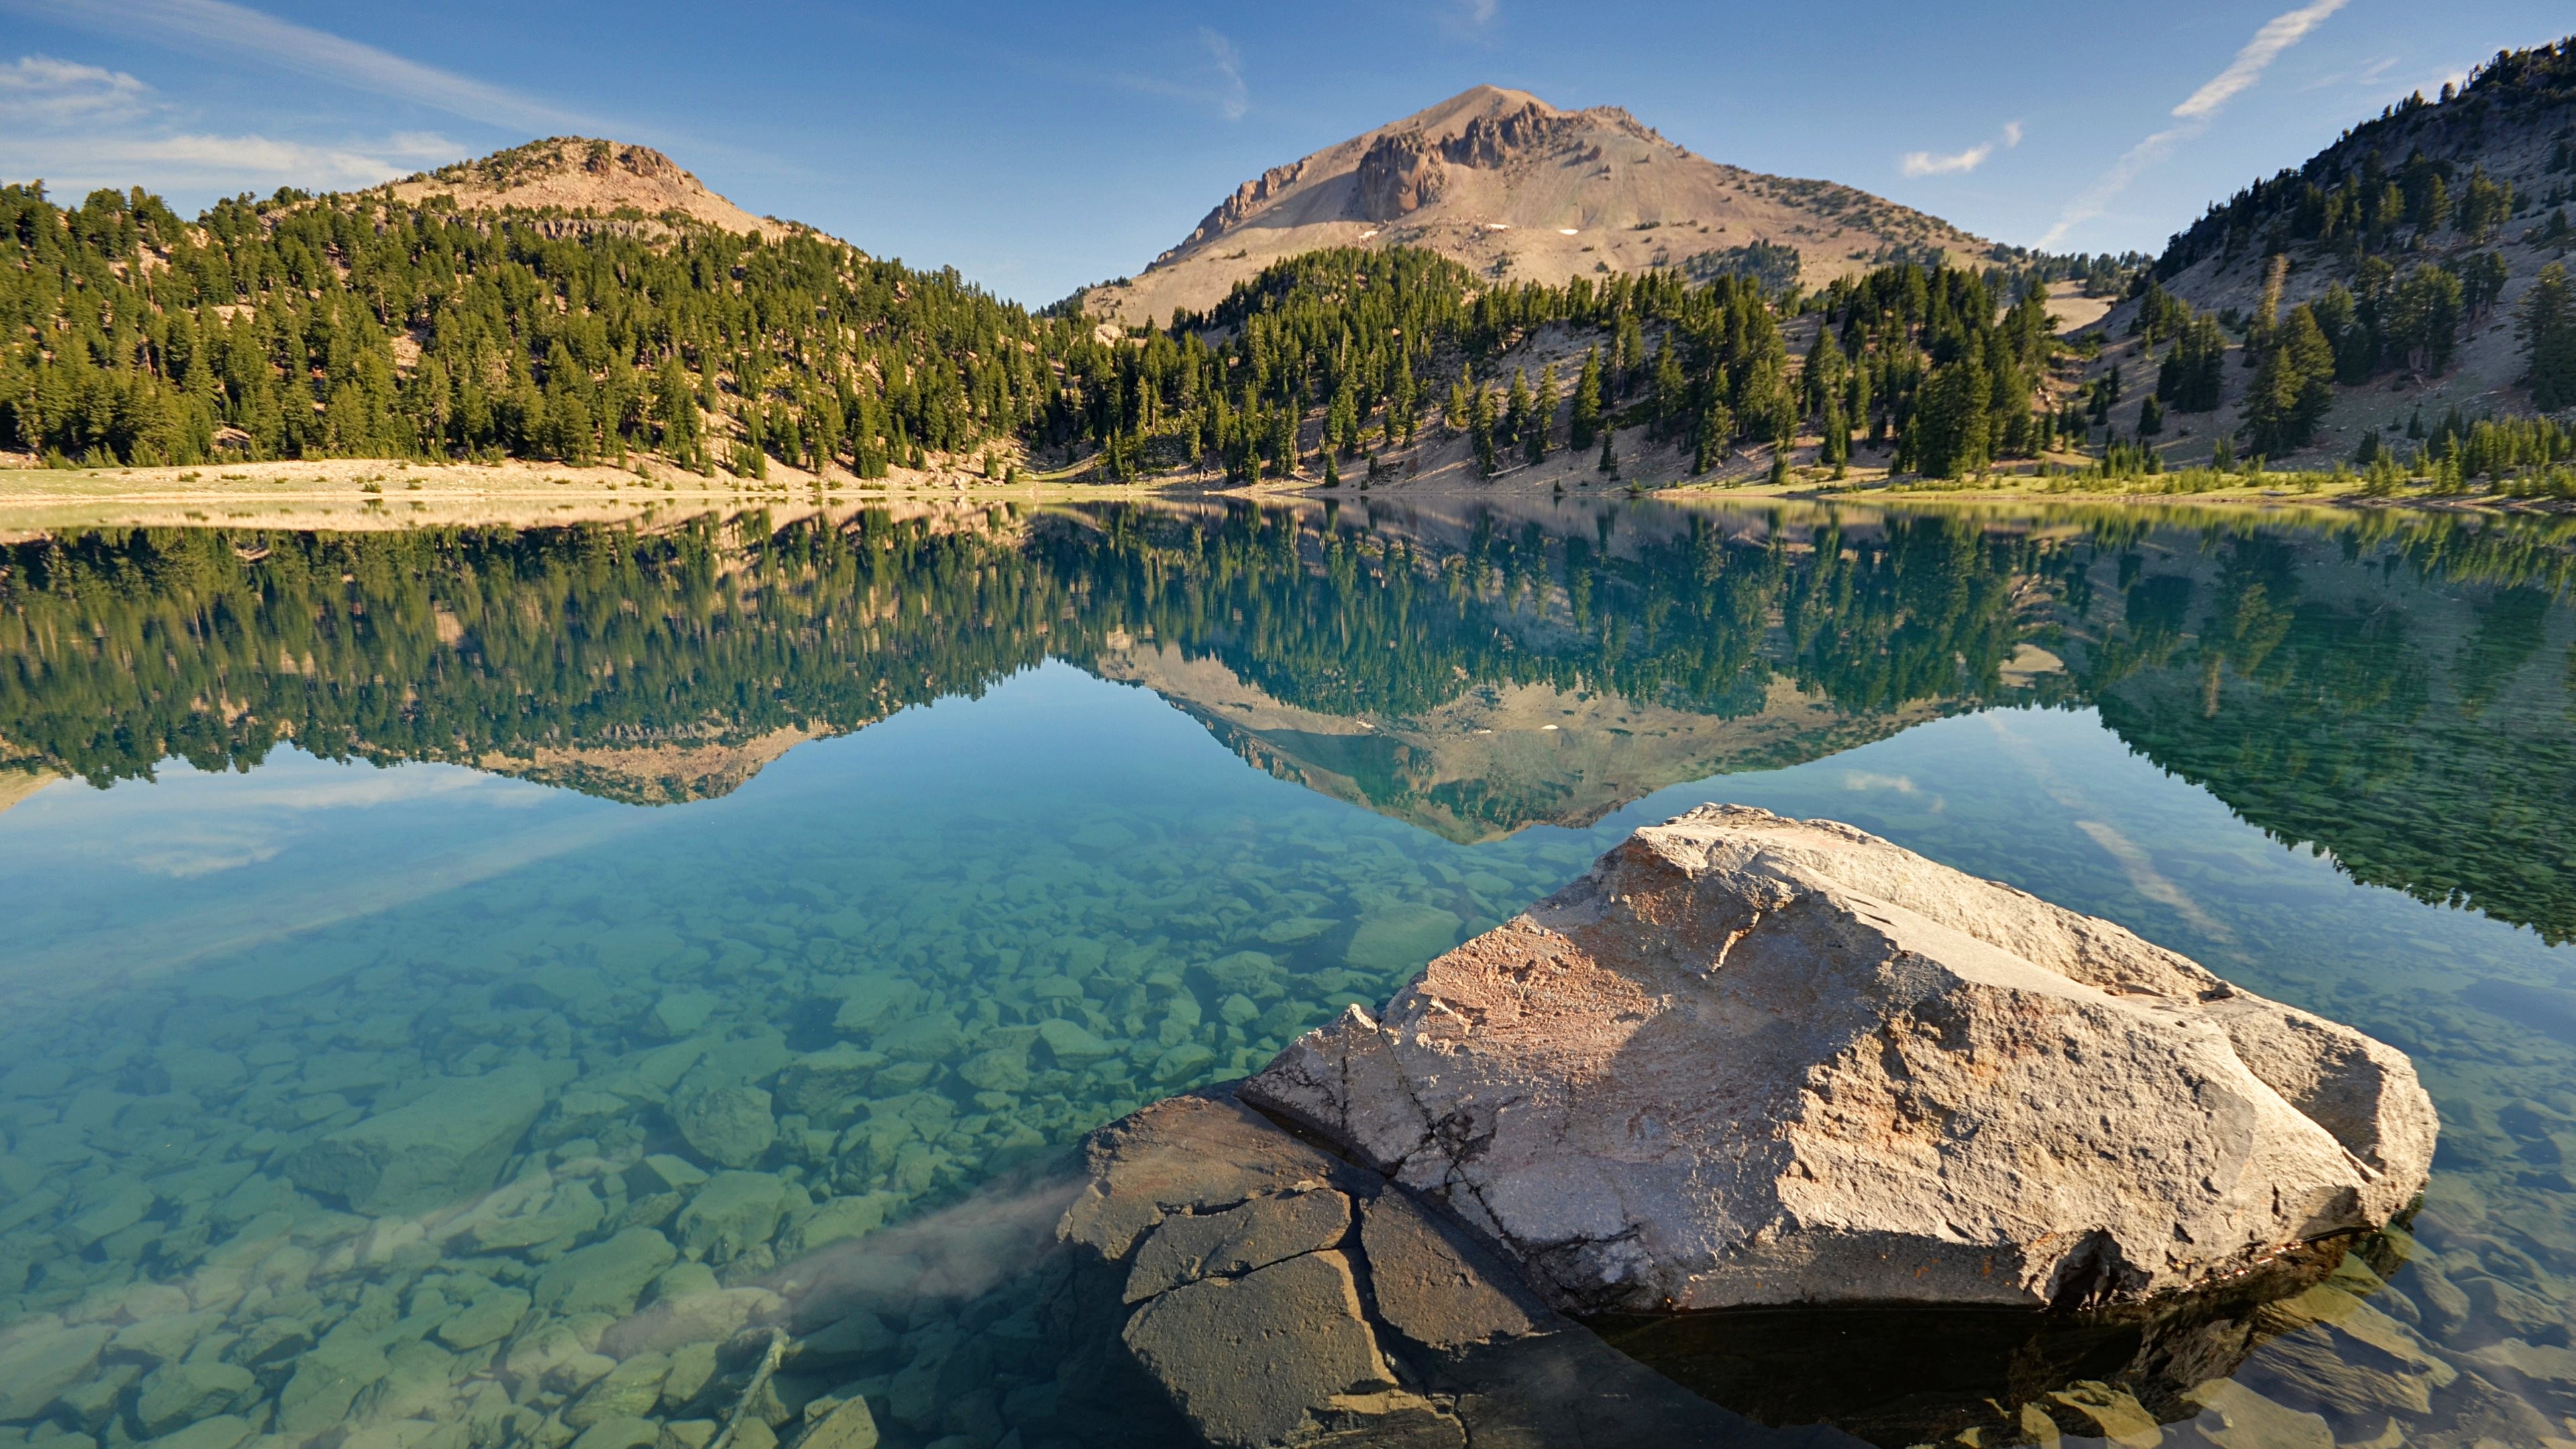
(1040, 147)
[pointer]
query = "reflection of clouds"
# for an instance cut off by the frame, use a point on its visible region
(1868, 780)
(188, 822)
(189, 853)
(192, 823)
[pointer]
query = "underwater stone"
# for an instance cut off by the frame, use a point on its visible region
(605, 1277)
(731, 1213)
(662, 1172)
(621, 1434)
(849, 1426)
(680, 1013)
(1392, 938)
(843, 1217)
(40, 1358)
(821, 1081)
(327, 1380)
(492, 1316)
(676, 1322)
(731, 1126)
(178, 1393)
(1002, 1069)
(630, 1389)
(871, 999)
(223, 1431)
(1242, 971)
(1073, 1045)
(444, 1147)
(1182, 1063)
(1757, 1060)
(934, 1036)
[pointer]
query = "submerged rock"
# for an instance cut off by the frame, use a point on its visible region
(447, 1145)
(1280, 1296)
(1753, 1060)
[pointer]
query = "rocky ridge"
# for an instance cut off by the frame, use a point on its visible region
(584, 177)
(1515, 187)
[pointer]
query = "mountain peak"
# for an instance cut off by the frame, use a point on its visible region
(1517, 188)
(581, 174)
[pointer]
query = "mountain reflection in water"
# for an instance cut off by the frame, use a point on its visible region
(811, 1034)
(2394, 691)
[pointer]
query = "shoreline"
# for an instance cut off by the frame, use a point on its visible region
(379, 494)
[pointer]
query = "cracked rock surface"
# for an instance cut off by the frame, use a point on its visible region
(1755, 1060)
(1281, 1296)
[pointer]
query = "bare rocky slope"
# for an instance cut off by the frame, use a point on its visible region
(1517, 188)
(583, 177)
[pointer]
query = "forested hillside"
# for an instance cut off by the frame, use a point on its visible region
(362, 326)
(371, 326)
(2399, 302)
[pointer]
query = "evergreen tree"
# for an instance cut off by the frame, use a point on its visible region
(1542, 418)
(1517, 411)
(1949, 433)
(2546, 322)
(1587, 402)
(2293, 387)
(1480, 430)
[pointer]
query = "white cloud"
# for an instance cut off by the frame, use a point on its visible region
(1467, 19)
(1234, 97)
(2278, 34)
(40, 90)
(82, 126)
(1955, 163)
(197, 26)
(2196, 114)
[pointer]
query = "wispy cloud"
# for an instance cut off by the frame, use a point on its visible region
(80, 126)
(190, 160)
(1234, 97)
(2196, 114)
(40, 90)
(1469, 19)
(1933, 163)
(199, 26)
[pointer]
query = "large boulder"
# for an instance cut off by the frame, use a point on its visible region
(1754, 1060)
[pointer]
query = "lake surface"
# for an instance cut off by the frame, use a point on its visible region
(456, 984)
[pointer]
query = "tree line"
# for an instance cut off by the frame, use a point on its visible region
(356, 326)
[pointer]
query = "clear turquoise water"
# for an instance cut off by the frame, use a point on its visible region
(350, 1092)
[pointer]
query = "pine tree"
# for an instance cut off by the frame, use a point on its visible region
(2293, 387)
(1517, 408)
(1716, 429)
(1587, 402)
(1609, 462)
(1542, 418)
(2546, 322)
(1950, 432)
(1480, 429)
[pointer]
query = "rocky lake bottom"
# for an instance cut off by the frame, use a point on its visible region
(408, 1105)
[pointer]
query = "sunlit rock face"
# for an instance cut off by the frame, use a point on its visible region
(1754, 1060)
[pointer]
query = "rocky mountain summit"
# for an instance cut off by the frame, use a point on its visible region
(583, 177)
(1751, 1060)
(1520, 189)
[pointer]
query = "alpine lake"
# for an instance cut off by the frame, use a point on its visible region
(647, 985)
